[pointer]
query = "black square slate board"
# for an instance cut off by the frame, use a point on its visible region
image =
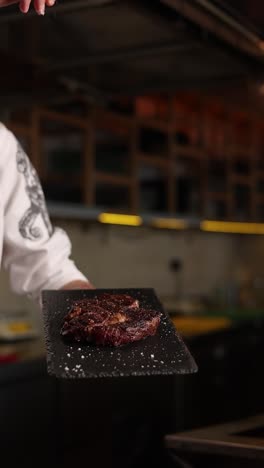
(163, 354)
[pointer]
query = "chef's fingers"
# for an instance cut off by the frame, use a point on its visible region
(39, 6)
(24, 5)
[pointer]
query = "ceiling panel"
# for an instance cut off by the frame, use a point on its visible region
(250, 12)
(112, 47)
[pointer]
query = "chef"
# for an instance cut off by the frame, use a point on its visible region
(36, 255)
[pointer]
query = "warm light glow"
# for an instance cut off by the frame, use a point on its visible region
(169, 223)
(261, 89)
(232, 227)
(261, 46)
(121, 219)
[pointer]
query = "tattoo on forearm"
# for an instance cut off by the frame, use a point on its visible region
(28, 223)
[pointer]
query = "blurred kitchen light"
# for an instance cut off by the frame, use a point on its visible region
(120, 219)
(169, 223)
(232, 227)
(261, 89)
(261, 46)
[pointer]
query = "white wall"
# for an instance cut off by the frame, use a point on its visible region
(250, 252)
(123, 257)
(139, 257)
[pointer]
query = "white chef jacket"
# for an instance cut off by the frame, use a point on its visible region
(35, 254)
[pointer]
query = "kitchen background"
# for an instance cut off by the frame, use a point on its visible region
(145, 123)
(128, 257)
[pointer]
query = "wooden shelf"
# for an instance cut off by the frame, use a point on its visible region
(155, 124)
(259, 174)
(189, 151)
(113, 121)
(112, 179)
(19, 129)
(238, 152)
(63, 118)
(200, 125)
(259, 198)
(153, 160)
(239, 179)
(222, 196)
(66, 180)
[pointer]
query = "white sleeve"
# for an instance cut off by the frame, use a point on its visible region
(35, 254)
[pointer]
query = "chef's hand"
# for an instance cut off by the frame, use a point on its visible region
(39, 5)
(24, 5)
(78, 284)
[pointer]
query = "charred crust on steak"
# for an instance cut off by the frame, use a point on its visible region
(109, 320)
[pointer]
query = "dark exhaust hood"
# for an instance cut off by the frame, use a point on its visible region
(223, 21)
(249, 13)
(109, 48)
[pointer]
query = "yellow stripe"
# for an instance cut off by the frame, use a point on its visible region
(169, 223)
(232, 227)
(120, 219)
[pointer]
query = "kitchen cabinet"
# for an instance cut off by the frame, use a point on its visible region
(113, 422)
(119, 422)
(229, 384)
(153, 189)
(122, 422)
(28, 413)
(194, 158)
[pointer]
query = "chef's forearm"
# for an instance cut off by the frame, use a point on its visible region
(36, 255)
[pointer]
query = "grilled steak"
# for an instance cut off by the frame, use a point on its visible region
(109, 302)
(138, 325)
(109, 319)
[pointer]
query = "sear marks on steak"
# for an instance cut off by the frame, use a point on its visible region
(106, 301)
(118, 302)
(139, 324)
(109, 320)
